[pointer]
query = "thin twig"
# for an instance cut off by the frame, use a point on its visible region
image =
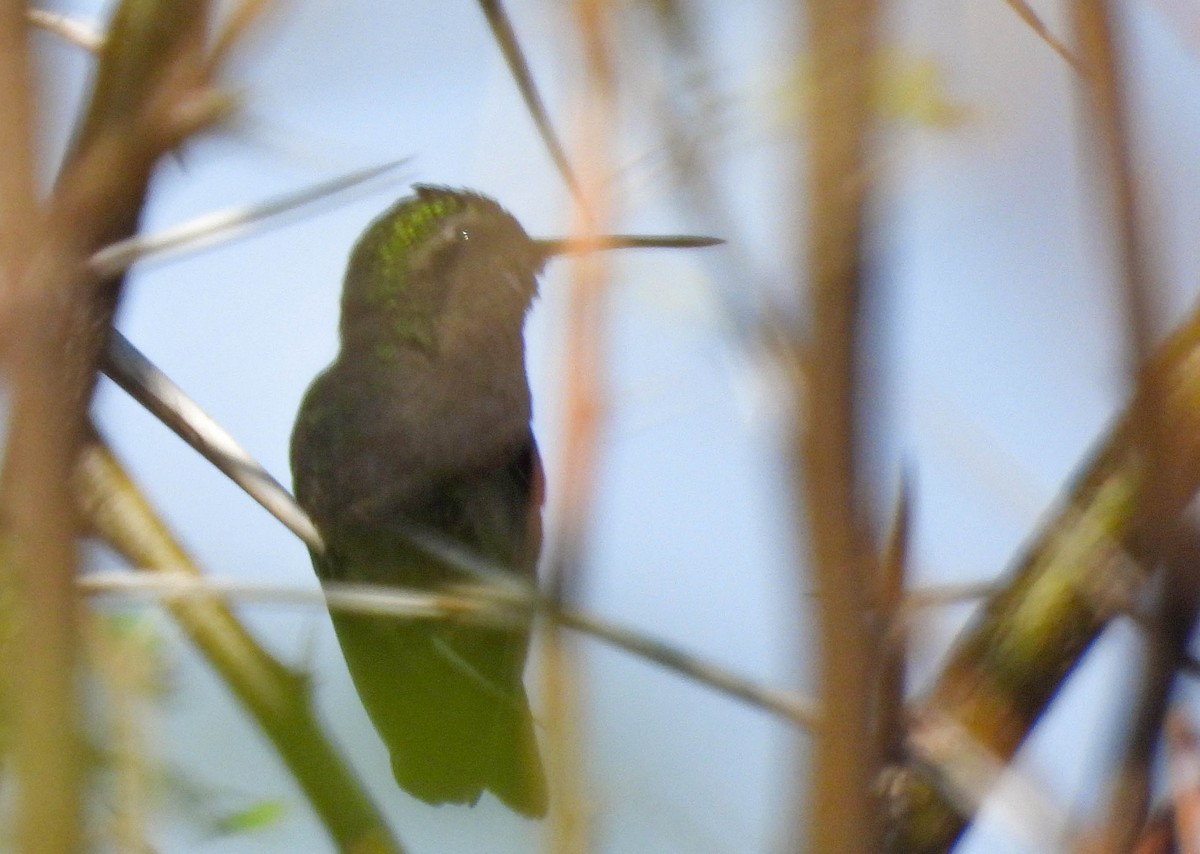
(477, 603)
(77, 32)
(940, 595)
(503, 584)
(1025, 13)
(784, 704)
(506, 38)
(891, 725)
(180, 583)
(167, 402)
(235, 29)
(227, 225)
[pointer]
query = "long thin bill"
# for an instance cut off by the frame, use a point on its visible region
(574, 246)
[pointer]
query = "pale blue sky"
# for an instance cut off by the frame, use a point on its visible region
(1001, 347)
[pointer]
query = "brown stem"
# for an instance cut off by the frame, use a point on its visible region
(56, 320)
(841, 815)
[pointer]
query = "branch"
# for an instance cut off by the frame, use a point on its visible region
(891, 721)
(1025, 12)
(1168, 543)
(56, 319)
(506, 38)
(1079, 572)
(227, 225)
(150, 387)
(825, 437)
(73, 30)
(489, 604)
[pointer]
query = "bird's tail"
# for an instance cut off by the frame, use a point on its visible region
(504, 760)
(450, 705)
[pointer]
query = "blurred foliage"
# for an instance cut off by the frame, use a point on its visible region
(909, 88)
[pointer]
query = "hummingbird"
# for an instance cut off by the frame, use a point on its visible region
(418, 432)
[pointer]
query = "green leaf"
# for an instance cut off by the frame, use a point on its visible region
(257, 816)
